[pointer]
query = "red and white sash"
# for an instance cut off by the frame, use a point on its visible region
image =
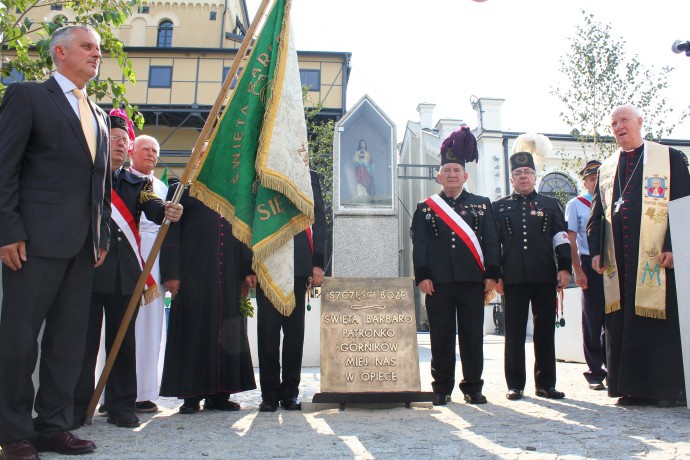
(584, 201)
(124, 219)
(458, 225)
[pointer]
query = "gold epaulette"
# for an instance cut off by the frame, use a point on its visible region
(147, 193)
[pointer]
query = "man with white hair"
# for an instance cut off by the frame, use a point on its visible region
(150, 325)
(630, 211)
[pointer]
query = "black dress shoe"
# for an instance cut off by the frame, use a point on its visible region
(632, 401)
(514, 394)
(268, 406)
(124, 419)
(441, 399)
(551, 393)
(475, 398)
(19, 450)
(291, 404)
(596, 386)
(221, 405)
(189, 407)
(66, 443)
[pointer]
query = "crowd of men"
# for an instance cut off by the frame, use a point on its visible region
(76, 227)
(616, 239)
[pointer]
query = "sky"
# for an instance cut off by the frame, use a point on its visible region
(405, 52)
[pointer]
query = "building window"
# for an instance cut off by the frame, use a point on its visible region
(56, 7)
(212, 16)
(234, 80)
(310, 78)
(160, 76)
(143, 9)
(14, 76)
(165, 33)
(559, 186)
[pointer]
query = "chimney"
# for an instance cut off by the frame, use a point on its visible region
(425, 110)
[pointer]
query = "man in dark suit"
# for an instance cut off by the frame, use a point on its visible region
(309, 249)
(114, 282)
(535, 263)
(54, 214)
(456, 264)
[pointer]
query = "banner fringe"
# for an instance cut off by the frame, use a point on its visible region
(267, 247)
(270, 180)
(220, 205)
(285, 305)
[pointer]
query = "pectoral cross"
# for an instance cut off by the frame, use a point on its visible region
(618, 204)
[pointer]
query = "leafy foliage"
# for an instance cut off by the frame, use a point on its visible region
(600, 77)
(25, 42)
(321, 150)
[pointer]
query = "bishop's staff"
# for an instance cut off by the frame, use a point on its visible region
(189, 169)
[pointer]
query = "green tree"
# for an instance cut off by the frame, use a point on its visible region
(321, 150)
(25, 42)
(599, 77)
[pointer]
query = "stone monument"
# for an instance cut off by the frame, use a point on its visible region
(365, 221)
(369, 348)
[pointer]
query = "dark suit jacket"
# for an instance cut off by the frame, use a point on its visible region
(441, 256)
(302, 249)
(51, 192)
(121, 270)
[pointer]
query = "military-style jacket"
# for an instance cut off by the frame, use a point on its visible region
(526, 226)
(440, 255)
(120, 270)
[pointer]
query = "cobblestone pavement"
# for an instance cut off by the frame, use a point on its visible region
(587, 424)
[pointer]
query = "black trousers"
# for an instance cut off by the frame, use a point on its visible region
(593, 316)
(269, 324)
(543, 299)
(57, 291)
(464, 303)
(121, 386)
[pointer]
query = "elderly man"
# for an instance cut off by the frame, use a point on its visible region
(456, 264)
(150, 330)
(577, 214)
(115, 280)
(630, 215)
(54, 215)
(535, 262)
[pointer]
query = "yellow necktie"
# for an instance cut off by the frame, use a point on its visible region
(86, 122)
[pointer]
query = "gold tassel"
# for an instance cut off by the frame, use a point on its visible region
(615, 306)
(648, 312)
(151, 294)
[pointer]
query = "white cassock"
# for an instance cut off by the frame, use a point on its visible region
(150, 325)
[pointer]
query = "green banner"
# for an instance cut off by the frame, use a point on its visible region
(227, 180)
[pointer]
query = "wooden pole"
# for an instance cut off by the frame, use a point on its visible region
(184, 179)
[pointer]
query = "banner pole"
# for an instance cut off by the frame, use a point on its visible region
(184, 179)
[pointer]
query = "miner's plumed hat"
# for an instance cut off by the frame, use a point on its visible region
(119, 119)
(529, 150)
(591, 167)
(459, 147)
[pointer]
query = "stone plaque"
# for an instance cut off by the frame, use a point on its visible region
(368, 336)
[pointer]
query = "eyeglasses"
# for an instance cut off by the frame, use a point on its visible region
(522, 173)
(124, 140)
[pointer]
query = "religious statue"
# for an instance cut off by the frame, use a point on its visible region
(364, 170)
